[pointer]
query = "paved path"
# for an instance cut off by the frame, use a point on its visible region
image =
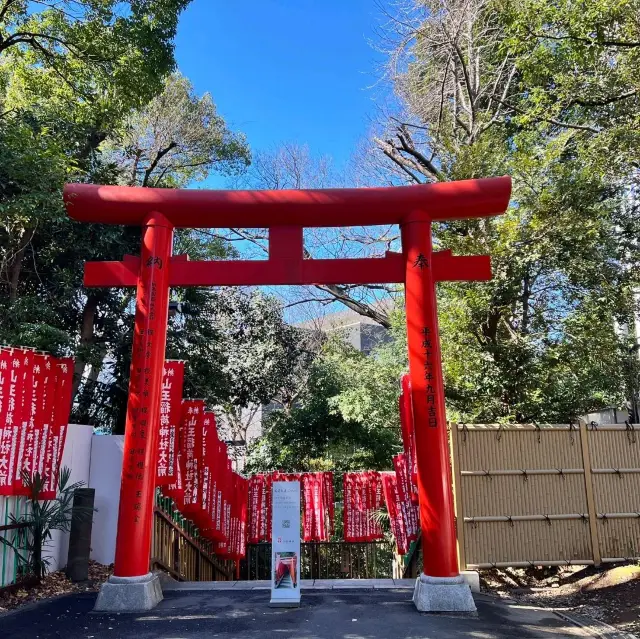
(307, 585)
(323, 615)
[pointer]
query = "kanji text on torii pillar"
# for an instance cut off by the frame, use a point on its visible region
(286, 214)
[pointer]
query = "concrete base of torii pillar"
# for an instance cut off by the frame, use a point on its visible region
(443, 594)
(129, 594)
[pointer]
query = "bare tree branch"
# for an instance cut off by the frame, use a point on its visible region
(159, 155)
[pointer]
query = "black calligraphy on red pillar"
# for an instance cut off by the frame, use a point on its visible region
(421, 262)
(427, 352)
(141, 381)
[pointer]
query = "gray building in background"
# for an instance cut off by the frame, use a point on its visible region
(363, 333)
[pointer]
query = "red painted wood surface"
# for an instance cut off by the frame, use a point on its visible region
(135, 515)
(305, 208)
(286, 213)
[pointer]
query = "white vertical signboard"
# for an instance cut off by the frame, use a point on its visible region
(285, 544)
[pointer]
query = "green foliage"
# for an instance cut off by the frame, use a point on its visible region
(178, 138)
(112, 54)
(90, 97)
(546, 93)
(239, 351)
(43, 516)
(346, 418)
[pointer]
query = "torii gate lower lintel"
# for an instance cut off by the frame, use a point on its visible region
(286, 214)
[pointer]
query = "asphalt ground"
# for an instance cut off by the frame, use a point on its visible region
(331, 615)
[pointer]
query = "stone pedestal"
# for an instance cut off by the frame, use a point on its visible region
(129, 594)
(443, 594)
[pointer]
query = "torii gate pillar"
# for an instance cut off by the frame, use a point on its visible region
(286, 214)
(440, 587)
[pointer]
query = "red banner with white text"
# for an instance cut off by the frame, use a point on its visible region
(409, 435)
(35, 396)
(191, 451)
(170, 414)
(410, 509)
(362, 497)
(315, 508)
(394, 508)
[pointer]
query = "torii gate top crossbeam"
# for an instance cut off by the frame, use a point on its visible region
(304, 208)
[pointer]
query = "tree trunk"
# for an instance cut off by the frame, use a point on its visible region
(15, 264)
(86, 338)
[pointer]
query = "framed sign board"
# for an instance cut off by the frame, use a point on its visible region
(285, 544)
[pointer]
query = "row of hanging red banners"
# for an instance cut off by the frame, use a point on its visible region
(363, 494)
(318, 504)
(193, 464)
(35, 402)
(194, 468)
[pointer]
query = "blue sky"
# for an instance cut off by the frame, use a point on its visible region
(285, 70)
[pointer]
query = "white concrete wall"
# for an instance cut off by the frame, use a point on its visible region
(76, 456)
(105, 473)
(96, 461)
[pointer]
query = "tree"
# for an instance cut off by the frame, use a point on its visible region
(240, 354)
(550, 42)
(94, 47)
(561, 255)
(178, 138)
(346, 417)
(69, 72)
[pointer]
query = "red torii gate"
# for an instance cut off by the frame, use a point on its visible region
(286, 214)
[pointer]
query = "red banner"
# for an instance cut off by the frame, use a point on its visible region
(309, 524)
(9, 374)
(394, 507)
(317, 522)
(362, 498)
(409, 435)
(217, 478)
(319, 531)
(191, 449)
(223, 548)
(329, 500)
(409, 507)
(176, 490)
(234, 547)
(40, 375)
(209, 440)
(64, 395)
(256, 513)
(242, 550)
(49, 401)
(60, 386)
(170, 414)
(25, 393)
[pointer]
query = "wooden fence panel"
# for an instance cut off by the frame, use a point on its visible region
(527, 542)
(615, 474)
(514, 495)
(549, 494)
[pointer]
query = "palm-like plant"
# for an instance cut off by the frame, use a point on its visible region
(43, 516)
